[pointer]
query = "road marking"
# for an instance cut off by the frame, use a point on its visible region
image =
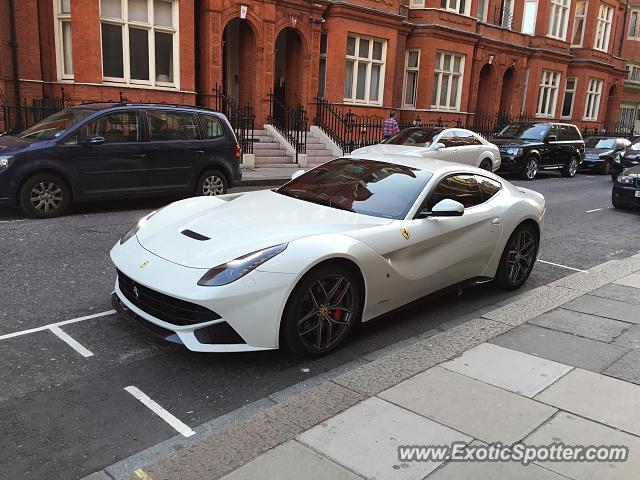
(57, 324)
(180, 427)
(72, 342)
(563, 266)
(616, 252)
(594, 210)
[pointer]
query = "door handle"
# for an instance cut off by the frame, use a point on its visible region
(140, 155)
(199, 152)
(496, 221)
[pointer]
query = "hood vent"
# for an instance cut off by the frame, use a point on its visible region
(194, 235)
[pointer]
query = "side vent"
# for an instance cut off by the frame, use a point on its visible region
(194, 235)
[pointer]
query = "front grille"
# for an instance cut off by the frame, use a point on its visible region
(164, 307)
(638, 183)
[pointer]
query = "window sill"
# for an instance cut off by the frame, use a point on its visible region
(145, 86)
(362, 104)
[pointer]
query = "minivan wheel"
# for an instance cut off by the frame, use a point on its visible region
(45, 196)
(530, 169)
(486, 164)
(211, 183)
(570, 168)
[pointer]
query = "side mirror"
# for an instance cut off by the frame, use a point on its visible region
(296, 174)
(551, 138)
(439, 146)
(95, 140)
(444, 208)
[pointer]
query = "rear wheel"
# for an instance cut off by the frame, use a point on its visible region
(45, 196)
(570, 168)
(211, 183)
(518, 258)
(530, 169)
(323, 308)
(606, 168)
(486, 164)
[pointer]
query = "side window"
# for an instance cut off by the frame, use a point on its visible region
(168, 125)
(448, 139)
(466, 138)
(461, 188)
(564, 135)
(555, 131)
(116, 127)
(211, 126)
(575, 133)
(488, 187)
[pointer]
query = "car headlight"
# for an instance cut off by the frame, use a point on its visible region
(136, 227)
(625, 179)
(514, 151)
(238, 268)
(5, 161)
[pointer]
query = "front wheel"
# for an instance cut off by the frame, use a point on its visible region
(211, 183)
(531, 169)
(570, 168)
(486, 164)
(45, 196)
(323, 308)
(606, 167)
(517, 258)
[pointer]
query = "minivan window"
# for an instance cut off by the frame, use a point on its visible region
(115, 127)
(165, 125)
(54, 125)
(211, 126)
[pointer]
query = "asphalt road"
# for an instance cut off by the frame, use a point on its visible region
(63, 416)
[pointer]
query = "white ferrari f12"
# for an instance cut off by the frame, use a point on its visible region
(302, 265)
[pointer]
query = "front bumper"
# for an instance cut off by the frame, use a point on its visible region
(511, 163)
(594, 163)
(626, 195)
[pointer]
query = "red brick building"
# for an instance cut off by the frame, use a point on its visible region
(574, 60)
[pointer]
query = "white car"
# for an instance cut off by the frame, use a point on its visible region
(343, 243)
(450, 144)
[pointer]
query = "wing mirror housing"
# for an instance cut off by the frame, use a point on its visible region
(439, 146)
(444, 208)
(296, 174)
(95, 140)
(551, 138)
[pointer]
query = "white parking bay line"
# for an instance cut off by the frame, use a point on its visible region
(58, 324)
(180, 427)
(594, 210)
(563, 266)
(72, 342)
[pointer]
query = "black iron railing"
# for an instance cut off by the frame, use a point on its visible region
(15, 118)
(290, 122)
(241, 118)
(489, 125)
(617, 129)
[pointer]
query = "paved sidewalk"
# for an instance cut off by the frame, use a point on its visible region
(267, 176)
(560, 363)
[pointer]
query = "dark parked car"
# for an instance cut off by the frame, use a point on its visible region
(117, 150)
(626, 189)
(527, 148)
(601, 153)
(629, 158)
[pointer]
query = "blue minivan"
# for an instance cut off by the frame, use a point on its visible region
(117, 150)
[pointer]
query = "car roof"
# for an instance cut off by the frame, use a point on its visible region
(99, 106)
(421, 163)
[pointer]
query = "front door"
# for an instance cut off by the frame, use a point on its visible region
(450, 146)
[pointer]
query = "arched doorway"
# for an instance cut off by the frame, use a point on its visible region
(506, 96)
(611, 113)
(486, 88)
(238, 61)
(288, 67)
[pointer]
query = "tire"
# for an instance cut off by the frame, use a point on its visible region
(212, 183)
(617, 204)
(310, 327)
(486, 164)
(518, 258)
(530, 170)
(613, 178)
(570, 168)
(606, 168)
(45, 196)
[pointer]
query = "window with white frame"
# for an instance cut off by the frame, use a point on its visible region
(457, 6)
(364, 70)
(64, 51)
(569, 97)
(481, 14)
(559, 19)
(634, 73)
(592, 104)
(529, 17)
(447, 81)
(627, 116)
(548, 94)
(139, 44)
(506, 14)
(603, 27)
(416, 3)
(634, 25)
(411, 69)
(579, 23)
(322, 69)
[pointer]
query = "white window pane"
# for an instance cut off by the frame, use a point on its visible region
(111, 8)
(410, 94)
(162, 13)
(444, 90)
(363, 49)
(348, 79)
(456, 64)
(65, 6)
(67, 49)
(164, 57)
(374, 86)
(453, 4)
(453, 99)
(323, 43)
(434, 92)
(412, 60)
(139, 53)
(438, 61)
(112, 64)
(571, 83)
(377, 50)
(138, 11)
(361, 80)
(578, 29)
(322, 77)
(529, 20)
(351, 46)
(446, 66)
(633, 24)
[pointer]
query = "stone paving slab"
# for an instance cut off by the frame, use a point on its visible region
(292, 461)
(598, 397)
(581, 324)
(627, 368)
(599, 275)
(508, 369)
(493, 471)
(632, 280)
(630, 338)
(618, 292)
(561, 347)
(486, 412)
(605, 307)
(572, 430)
(365, 439)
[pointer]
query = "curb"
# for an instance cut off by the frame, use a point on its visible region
(228, 442)
(262, 182)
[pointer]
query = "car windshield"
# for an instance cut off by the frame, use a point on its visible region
(413, 137)
(525, 131)
(635, 146)
(54, 125)
(600, 142)
(367, 187)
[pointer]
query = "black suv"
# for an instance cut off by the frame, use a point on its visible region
(526, 148)
(117, 150)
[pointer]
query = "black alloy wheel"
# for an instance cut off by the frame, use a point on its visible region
(570, 168)
(530, 169)
(518, 258)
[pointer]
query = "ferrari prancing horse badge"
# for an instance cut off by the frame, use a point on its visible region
(405, 233)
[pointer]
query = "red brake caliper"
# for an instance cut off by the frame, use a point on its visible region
(337, 313)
